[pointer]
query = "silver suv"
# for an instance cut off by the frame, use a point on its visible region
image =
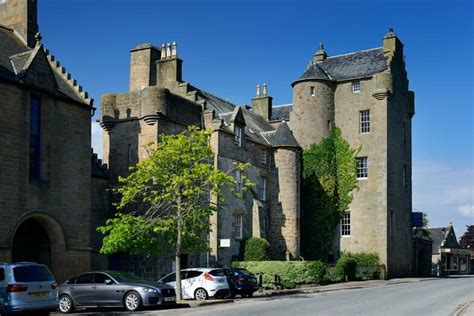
(27, 286)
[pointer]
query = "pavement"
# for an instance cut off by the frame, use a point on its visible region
(466, 310)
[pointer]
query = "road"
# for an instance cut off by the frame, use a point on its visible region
(432, 297)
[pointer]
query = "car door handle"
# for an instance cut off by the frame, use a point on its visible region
(94, 287)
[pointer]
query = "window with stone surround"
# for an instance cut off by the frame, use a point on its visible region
(356, 86)
(346, 224)
(35, 137)
(312, 91)
(238, 136)
(364, 119)
(262, 189)
(239, 227)
(405, 179)
(362, 168)
(263, 157)
(238, 181)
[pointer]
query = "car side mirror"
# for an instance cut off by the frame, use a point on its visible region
(108, 282)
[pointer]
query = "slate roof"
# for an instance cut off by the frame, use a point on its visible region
(16, 57)
(255, 124)
(282, 137)
(438, 236)
(281, 112)
(360, 64)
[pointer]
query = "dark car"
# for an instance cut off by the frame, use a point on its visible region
(241, 282)
(112, 289)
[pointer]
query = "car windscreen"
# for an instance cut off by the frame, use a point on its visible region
(32, 274)
(126, 277)
(243, 272)
(217, 272)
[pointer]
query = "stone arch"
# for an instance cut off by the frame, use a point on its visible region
(40, 223)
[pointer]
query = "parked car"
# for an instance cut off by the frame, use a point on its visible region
(112, 289)
(200, 283)
(241, 282)
(26, 287)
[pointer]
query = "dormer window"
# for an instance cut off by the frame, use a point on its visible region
(238, 136)
(356, 86)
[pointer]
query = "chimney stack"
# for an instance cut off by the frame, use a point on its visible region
(168, 68)
(22, 16)
(262, 103)
(320, 55)
(142, 66)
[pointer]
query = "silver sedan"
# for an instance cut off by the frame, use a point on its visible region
(112, 289)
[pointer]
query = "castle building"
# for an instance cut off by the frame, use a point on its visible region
(45, 155)
(53, 192)
(366, 95)
(159, 101)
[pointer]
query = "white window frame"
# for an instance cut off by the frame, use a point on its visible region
(364, 121)
(362, 167)
(356, 86)
(238, 135)
(264, 157)
(238, 181)
(312, 91)
(346, 224)
(262, 189)
(239, 226)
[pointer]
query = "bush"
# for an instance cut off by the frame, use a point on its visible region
(292, 273)
(368, 265)
(364, 259)
(346, 269)
(256, 249)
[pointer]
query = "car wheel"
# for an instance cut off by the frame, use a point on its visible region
(230, 295)
(132, 301)
(65, 304)
(200, 294)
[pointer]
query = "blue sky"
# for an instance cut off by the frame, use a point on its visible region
(230, 46)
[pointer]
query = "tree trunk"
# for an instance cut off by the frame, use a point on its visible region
(178, 253)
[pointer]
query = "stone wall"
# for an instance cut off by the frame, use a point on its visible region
(312, 115)
(369, 206)
(60, 199)
(284, 192)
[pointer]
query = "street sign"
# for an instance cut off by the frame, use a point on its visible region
(417, 219)
(224, 243)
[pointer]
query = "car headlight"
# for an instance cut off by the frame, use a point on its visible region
(148, 290)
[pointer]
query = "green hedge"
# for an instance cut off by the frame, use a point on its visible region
(292, 273)
(256, 249)
(364, 259)
(346, 269)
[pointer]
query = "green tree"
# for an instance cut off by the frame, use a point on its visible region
(467, 240)
(423, 232)
(329, 177)
(168, 198)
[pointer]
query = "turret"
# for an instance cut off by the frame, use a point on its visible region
(313, 103)
(285, 198)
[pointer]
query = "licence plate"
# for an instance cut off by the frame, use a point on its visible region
(40, 294)
(170, 299)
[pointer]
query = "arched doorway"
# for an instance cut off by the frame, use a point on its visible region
(31, 243)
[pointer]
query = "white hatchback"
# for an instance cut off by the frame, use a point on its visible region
(200, 283)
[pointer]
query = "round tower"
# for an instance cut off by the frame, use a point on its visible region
(285, 197)
(313, 103)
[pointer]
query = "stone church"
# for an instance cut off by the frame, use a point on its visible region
(53, 191)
